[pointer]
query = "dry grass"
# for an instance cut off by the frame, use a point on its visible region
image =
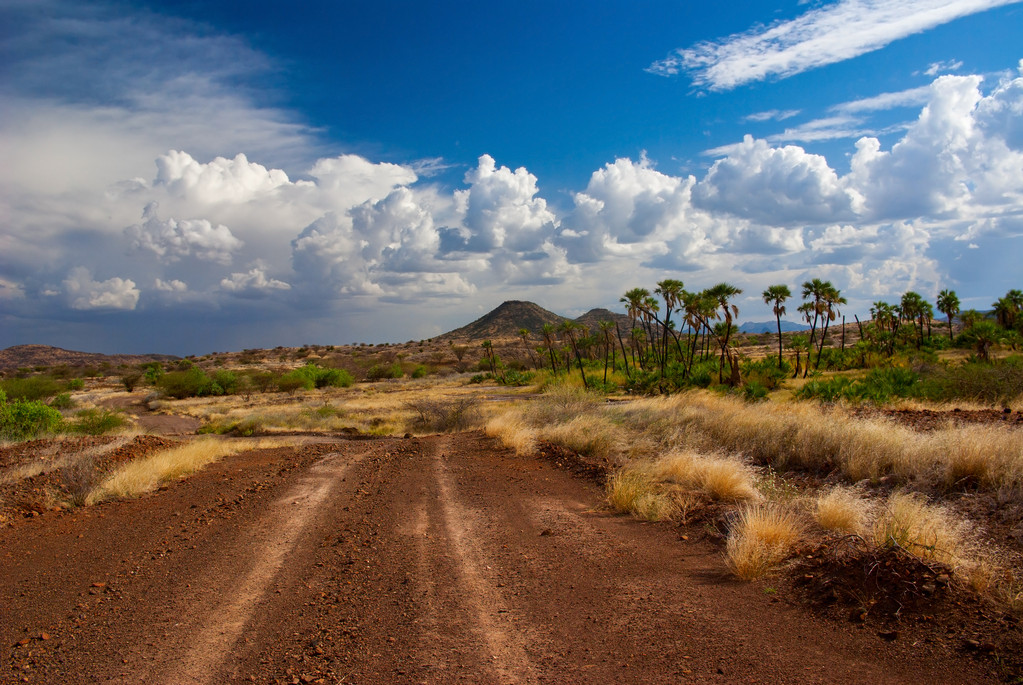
(926, 530)
(807, 437)
(635, 491)
(438, 416)
(58, 457)
(386, 408)
(761, 537)
(512, 430)
(143, 475)
(722, 478)
(842, 510)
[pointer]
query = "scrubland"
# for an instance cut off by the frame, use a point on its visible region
(779, 476)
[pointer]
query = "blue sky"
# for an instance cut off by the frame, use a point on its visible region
(188, 176)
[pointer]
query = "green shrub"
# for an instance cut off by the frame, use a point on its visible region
(765, 372)
(75, 384)
(31, 388)
(754, 391)
(191, 383)
(24, 419)
(263, 381)
(227, 381)
(312, 376)
(153, 372)
(381, 371)
(131, 378)
(999, 382)
(290, 383)
(96, 421)
(420, 371)
(62, 401)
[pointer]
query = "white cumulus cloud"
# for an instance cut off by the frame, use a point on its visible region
(172, 239)
(252, 284)
(84, 293)
(774, 185)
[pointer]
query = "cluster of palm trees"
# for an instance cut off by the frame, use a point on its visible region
(673, 330)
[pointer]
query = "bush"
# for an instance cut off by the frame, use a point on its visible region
(31, 388)
(754, 391)
(227, 381)
(24, 419)
(766, 372)
(993, 383)
(131, 378)
(381, 371)
(97, 421)
(62, 401)
(290, 383)
(880, 385)
(191, 383)
(442, 417)
(312, 376)
(153, 372)
(420, 371)
(263, 381)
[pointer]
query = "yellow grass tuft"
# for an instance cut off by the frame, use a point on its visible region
(512, 431)
(925, 530)
(722, 478)
(841, 509)
(762, 536)
(143, 475)
(634, 491)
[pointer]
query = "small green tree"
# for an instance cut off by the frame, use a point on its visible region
(948, 304)
(775, 296)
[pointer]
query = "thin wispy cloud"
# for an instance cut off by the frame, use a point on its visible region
(773, 115)
(912, 97)
(830, 34)
(943, 67)
(827, 128)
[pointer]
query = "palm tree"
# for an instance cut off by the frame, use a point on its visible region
(671, 290)
(722, 293)
(831, 297)
(633, 299)
(776, 295)
(1008, 308)
(813, 296)
(913, 309)
(609, 347)
(524, 337)
(948, 304)
(571, 329)
(548, 331)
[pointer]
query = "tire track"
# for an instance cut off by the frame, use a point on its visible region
(505, 645)
(274, 538)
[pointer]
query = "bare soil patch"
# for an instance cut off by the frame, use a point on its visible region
(931, 419)
(62, 469)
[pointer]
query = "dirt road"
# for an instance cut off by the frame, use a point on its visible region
(433, 560)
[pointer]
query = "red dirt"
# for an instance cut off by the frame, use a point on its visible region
(426, 560)
(930, 419)
(68, 467)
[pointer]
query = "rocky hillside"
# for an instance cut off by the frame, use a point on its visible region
(592, 319)
(22, 356)
(505, 322)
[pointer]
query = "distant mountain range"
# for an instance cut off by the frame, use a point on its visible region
(28, 356)
(772, 327)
